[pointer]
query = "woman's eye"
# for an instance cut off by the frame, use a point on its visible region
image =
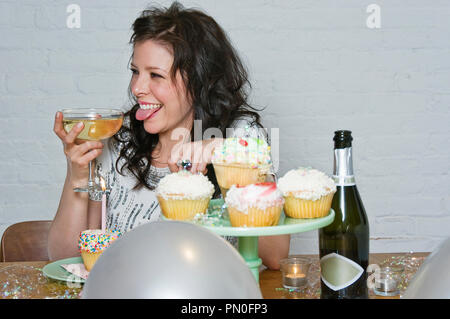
(134, 71)
(155, 75)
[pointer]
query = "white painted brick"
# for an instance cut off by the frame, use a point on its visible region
(51, 17)
(102, 84)
(439, 103)
(386, 226)
(69, 39)
(405, 244)
(117, 18)
(21, 16)
(18, 61)
(407, 19)
(3, 83)
(429, 227)
(89, 62)
(314, 65)
(416, 38)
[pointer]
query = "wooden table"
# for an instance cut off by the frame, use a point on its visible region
(272, 288)
(41, 287)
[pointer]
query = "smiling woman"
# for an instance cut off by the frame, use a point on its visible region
(183, 69)
(163, 103)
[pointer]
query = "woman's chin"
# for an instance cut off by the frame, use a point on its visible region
(151, 128)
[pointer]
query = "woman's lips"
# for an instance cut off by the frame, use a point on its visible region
(142, 114)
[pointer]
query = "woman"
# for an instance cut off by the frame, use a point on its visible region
(183, 69)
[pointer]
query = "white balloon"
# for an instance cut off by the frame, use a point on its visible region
(170, 259)
(432, 280)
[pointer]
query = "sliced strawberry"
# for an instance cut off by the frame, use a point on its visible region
(243, 142)
(271, 187)
(273, 184)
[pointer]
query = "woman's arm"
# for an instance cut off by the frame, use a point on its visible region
(71, 218)
(75, 211)
(272, 249)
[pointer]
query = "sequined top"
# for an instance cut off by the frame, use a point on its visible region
(128, 208)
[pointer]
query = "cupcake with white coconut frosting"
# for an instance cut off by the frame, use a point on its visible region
(307, 193)
(254, 205)
(182, 195)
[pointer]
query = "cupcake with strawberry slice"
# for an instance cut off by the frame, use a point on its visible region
(254, 205)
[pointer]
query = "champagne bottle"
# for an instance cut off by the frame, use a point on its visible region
(344, 244)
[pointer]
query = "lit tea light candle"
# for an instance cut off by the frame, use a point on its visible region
(294, 271)
(387, 281)
(387, 285)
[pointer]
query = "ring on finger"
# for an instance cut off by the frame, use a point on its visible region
(185, 164)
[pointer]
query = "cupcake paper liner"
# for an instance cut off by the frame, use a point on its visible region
(182, 209)
(242, 175)
(302, 208)
(89, 259)
(255, 217)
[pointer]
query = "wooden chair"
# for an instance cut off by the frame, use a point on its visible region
(25, 241)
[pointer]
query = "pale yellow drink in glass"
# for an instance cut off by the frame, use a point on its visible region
(95, 129)
(99, 124)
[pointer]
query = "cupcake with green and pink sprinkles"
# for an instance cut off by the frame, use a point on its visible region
(241, 161)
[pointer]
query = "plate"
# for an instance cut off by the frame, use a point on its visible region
(220, 223)
(54, 270)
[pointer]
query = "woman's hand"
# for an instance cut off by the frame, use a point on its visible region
(78, 152)
(199, 153)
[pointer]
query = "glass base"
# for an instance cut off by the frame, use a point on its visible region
(294, 287)
(386, 293)
(95, 192)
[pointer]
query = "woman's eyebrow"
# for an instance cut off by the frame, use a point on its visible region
(149, 67)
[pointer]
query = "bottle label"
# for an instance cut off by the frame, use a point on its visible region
(339, 272)
(344, 180)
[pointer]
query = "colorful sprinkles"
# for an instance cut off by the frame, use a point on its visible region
(243, 150)
(94, 241)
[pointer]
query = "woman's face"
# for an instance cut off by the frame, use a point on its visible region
(164, 105)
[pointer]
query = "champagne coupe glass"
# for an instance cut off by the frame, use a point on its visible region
(99, 124)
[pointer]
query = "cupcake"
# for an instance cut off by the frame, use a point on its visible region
(93, 242)
(241, 161)
(182, 195)
(307, 193)
(254, 205)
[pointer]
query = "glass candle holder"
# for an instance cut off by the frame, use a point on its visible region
(388, 280)
(294, 271)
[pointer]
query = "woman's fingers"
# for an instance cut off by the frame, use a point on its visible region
(89, 156)
(202, 168)
(75, 152)
(74, 132)
(83, 153)
(58, 127)
(198, 153)
(198, 164)
(89, 145)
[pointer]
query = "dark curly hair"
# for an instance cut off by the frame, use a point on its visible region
(212, 71)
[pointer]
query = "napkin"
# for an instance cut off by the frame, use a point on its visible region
(76, 269)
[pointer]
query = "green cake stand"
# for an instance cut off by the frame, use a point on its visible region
(216, 220)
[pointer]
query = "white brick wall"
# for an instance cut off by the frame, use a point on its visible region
(314, 65)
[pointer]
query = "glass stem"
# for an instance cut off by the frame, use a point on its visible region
(91, 178)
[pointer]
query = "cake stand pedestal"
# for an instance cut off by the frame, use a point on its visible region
(248, 236)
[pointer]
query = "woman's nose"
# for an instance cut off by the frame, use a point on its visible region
(141, 87)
